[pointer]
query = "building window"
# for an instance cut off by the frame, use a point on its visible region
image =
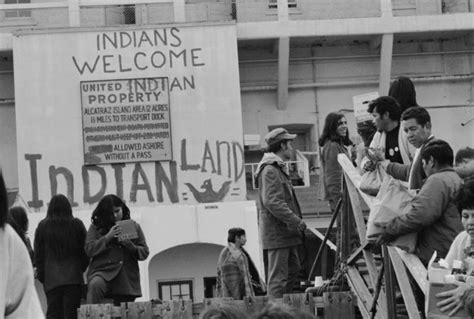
(23, 13)
(129, 14)
(273, 4)
(210, 287)
(175, 290)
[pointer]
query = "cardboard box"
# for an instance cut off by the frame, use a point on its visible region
(433, 312)
(129, 231)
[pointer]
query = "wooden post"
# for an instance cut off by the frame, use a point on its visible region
(389, 285)
(405, 288)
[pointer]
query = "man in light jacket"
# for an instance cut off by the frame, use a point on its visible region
(280, 221)
(390, 137)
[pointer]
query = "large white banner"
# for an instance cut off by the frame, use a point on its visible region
(94, 116)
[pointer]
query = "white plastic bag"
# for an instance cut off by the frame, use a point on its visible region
(394, 199)
(371, 182)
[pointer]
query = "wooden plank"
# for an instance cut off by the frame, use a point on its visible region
(321, 236)
(136, 310)
(299, 301)
(182, 309)
(364, 298)
(103, 311)
(355, 255)
(415, 267)
(389, 285)
(355, 203)
(338, 305)
(404, 284)
(255, 304)
(352, 177)
(353, 174)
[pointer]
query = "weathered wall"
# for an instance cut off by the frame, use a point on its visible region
(344, 68)
(200, 63)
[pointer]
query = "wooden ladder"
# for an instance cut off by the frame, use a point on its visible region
(395, 260)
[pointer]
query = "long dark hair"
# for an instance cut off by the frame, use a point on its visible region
(61, 234)
(403, 90)
(18, 219)
(3, 202)
(18, 215)
(103, 215)
(330, 130)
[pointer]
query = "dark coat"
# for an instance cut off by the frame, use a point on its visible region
(402, 171)
(433, 215)
(332, 171)
(116, 262)
(54, 272)
(279, 213)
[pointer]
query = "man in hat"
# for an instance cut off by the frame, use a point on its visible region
(279, 214)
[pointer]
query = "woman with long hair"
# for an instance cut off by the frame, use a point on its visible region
(18, 298)
(114, 252)
(403, 90)
(18, 219)
(334, 141)
(60, 258)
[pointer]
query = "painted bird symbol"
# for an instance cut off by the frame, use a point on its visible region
(209, 195)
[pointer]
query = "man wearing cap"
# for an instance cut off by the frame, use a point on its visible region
(279, 214)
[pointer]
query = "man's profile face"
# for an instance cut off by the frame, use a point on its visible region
(379, 120)
(417, 134)
(287, 148)
(241, 240)
(428, 166)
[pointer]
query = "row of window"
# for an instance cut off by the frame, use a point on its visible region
(129, 11)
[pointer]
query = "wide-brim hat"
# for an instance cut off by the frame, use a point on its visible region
(277, 135)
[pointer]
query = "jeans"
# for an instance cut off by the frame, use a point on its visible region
(283, 266)
(63, 302)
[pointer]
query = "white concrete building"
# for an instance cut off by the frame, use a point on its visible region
(261, 64)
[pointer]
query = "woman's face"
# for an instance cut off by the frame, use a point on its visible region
(467, 219)
(342, 127)
(118, 214)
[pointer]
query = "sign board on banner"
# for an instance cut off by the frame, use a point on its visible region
(361, 103)
(126, 120)
(150, 113)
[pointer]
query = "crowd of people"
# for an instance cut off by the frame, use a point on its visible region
(63, 250)
(399, 140)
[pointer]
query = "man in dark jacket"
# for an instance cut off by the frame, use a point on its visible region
(280, 222)
(433, 214)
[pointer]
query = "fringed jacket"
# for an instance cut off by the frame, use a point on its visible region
(233, 275)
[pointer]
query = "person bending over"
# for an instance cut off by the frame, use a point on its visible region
(113, 269)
